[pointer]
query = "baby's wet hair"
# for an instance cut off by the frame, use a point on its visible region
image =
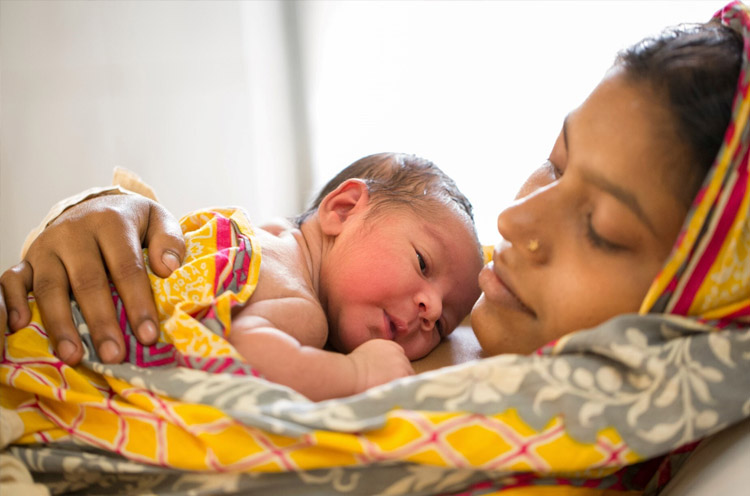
(694, 70)
(399, 180)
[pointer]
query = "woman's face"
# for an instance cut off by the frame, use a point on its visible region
(592, 227)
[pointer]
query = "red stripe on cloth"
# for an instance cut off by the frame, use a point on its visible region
(718, 238)
(242, 272)
(154, 356)
(223, 240)
(737, 314)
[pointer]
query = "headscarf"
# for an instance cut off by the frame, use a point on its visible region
(707, 275)
(708, 272)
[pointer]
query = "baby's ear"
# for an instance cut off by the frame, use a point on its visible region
(350, 197)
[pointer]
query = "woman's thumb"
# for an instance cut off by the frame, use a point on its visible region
(166, 245)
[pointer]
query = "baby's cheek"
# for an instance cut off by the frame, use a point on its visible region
(371, 287)
(420, 344)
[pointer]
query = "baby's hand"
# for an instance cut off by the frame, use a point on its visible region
(379, 361)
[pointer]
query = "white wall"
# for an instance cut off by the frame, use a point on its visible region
(190, 95)
(480, 87)
(196, 96)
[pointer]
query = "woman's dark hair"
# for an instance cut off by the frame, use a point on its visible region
(695, 69)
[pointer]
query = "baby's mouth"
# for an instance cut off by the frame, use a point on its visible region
(394, 327)
(389, 329)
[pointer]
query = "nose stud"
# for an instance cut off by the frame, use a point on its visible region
(533, 245)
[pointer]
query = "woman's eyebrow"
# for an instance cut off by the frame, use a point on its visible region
(625, 196)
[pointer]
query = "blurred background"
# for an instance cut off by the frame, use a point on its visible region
(258, 103)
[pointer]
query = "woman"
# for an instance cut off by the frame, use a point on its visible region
(586, 242)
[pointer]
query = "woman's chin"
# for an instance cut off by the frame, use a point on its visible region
(487, 327)
(500, 330)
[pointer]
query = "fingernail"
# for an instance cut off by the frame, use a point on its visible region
(108, 351)
(171, 260)
(13, 318)
(147, 331)
(66, 350)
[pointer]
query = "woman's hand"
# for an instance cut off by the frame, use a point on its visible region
(75, 252)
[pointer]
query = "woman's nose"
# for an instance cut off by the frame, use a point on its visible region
(528, 223)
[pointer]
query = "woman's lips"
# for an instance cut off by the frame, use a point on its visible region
(497, 290)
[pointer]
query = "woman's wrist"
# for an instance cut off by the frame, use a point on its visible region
(123, 182)
(63, 205)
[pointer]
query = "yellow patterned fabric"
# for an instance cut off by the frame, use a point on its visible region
(194, 304)
(167, 406)
(588, 416)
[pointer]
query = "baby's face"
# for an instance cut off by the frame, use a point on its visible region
(399, 276)
(593, 229)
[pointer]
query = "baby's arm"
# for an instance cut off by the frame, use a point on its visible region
(316, 373)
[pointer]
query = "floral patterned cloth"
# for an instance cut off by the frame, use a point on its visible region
(610, 410)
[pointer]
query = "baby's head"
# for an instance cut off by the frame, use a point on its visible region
(399, 180)
(404, 257)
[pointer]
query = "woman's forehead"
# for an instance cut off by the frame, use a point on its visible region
(624, 130)
(622, 140)
(626, 114)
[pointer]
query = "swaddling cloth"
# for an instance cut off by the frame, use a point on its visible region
(194, 304)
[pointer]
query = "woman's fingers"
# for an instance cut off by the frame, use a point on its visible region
(123, 255)
(51, 291)
(166, 245)
(3, 321)
(142, 223)
(15, 283)
(14, 305)
(88, 245)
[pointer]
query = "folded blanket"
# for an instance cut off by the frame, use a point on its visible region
(575, 414)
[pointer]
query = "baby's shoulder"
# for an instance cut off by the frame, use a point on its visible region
(283, 268)
(278, 226)
(299, 316)
(285, 293)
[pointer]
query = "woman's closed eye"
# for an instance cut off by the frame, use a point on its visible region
(555, 170)
(597, 240)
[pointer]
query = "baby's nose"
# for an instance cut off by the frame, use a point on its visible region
(429, 313)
